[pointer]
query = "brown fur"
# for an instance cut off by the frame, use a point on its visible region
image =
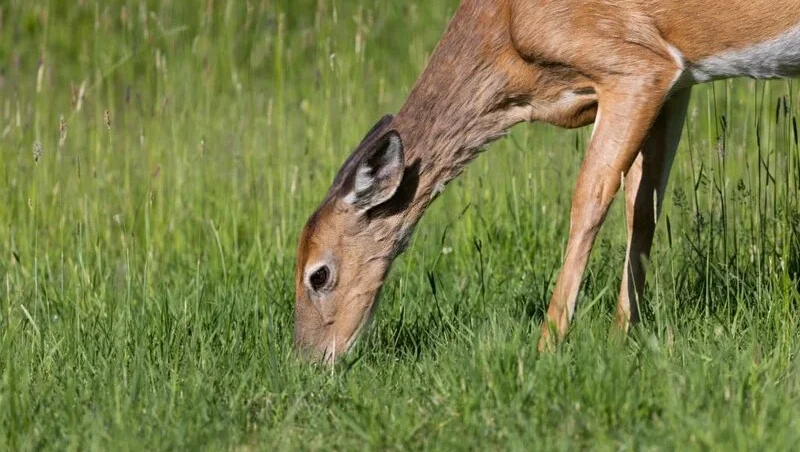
(501, 62)
(701, 30)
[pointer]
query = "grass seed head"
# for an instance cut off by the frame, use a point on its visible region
(62, 132)
(38, 151)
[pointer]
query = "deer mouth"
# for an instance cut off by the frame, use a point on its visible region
(337, 349)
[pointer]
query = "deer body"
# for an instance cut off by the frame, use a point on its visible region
(625, 65)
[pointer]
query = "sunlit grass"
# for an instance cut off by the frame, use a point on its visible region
(158, 159)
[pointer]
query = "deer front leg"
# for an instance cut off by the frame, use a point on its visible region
(625, 116)
(644, 194)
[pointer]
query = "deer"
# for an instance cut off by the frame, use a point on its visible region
(625, 66)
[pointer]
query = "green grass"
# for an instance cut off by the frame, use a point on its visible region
(147, 257)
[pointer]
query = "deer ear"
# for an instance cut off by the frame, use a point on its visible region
(378, 174)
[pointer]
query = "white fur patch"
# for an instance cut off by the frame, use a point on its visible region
(677, 56)
(774, 58)
(596, 122)
(363, 178)
(680, 79)
(568, 97)
(350, 198)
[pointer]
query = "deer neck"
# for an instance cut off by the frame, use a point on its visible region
(466, 98)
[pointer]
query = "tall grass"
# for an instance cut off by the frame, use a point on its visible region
(157, 160)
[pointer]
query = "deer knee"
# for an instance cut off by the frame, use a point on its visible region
(590, 206)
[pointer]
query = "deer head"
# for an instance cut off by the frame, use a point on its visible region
(349, 243)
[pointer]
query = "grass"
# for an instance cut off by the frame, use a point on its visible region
(158, 159)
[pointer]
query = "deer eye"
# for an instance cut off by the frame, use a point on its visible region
(319, 278)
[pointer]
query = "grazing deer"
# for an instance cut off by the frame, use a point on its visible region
(625, 65)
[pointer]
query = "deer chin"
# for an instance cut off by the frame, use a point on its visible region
(334, 351)
(341, 344)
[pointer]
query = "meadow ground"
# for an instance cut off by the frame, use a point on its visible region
(158, 159)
